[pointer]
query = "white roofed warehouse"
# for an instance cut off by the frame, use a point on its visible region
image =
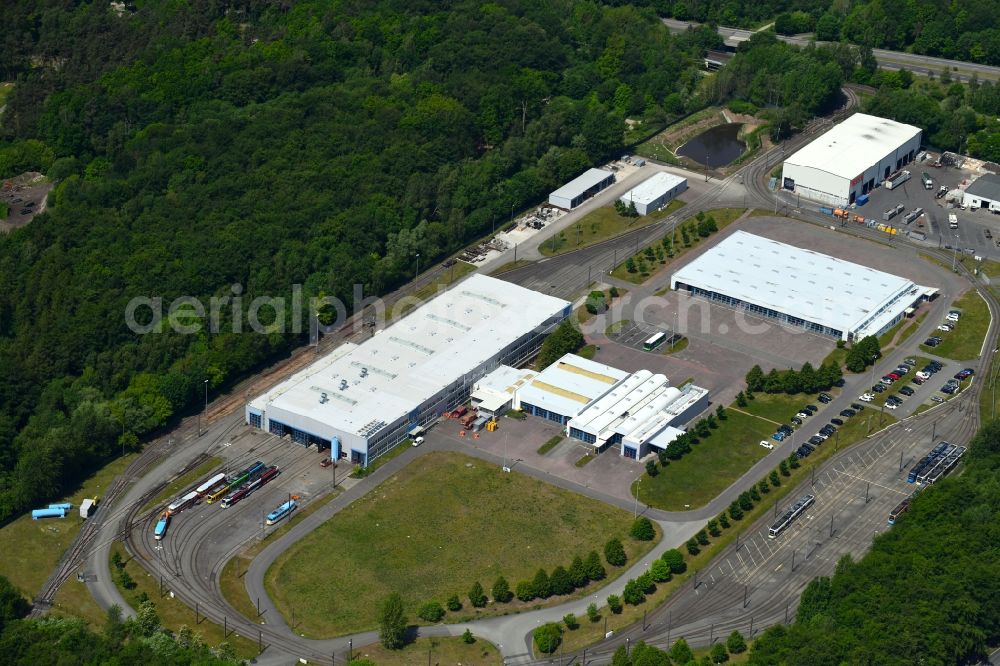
(799, 287)
(655, 192)
(362, 400)
(850, 160)
(581, 188)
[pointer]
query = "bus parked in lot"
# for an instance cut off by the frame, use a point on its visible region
(655, 341)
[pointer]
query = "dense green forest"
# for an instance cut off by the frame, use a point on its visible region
(201, 145)
(60, 640)
(960, 30)
(926, 593)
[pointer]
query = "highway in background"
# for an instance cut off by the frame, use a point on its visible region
(919, 64)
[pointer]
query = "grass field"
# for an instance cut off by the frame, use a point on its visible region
(30, 549)
(778, 407)
(184, 482)
(173, 612)
(431, 532)
(965, 341)
(723, 217)
(711, 467)
(439, 651)
(549, 445)
(662, 145)
(600, 225)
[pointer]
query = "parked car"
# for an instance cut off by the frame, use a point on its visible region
(866, 397)
(847, 413)
(778, 436)
(918, 381)
(816, 440)
(325, 462)
(824, 398)
(964, 374)
(417, 441)
(944, 327)
(821, 436)
(787, 429)
(837, 422)
(879, 388)
(910, 361)
(766, 444)
(803, 415)
(828, 430)
(907, 391)
(902, 370)
(796, 420)
(931, 342)
(812, 409)
(891, 405)
(937, 398)
(923, 374)
(856, 407)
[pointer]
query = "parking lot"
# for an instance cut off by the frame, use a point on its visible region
(635, 335)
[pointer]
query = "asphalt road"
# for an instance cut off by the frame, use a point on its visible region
(919, 64)
(714, 605)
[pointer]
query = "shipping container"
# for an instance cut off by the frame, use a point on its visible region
(48, 513)
(862, 200)
(896, 179)
(826, 211)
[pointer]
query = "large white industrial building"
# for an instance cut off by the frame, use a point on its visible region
(598, 404)
(362, 400)
(581, 188)
(799, 287)
(850, 159)
(655, 192)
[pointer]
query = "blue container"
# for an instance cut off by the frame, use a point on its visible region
(862, 200)
(335, 449)
(64, 505)
(48, 513)
(826, 211)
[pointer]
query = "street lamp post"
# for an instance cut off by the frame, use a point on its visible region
(416, 268)
(638, 481)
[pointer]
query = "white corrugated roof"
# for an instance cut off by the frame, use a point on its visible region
(856, 144)
(397, 369)
(653, 188)
(802, 283)
(581, 183)
(570, 384)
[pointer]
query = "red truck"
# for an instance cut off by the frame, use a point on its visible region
(468, 420)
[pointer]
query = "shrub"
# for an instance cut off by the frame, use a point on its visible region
(595, 570)
(477, 596)
(735, 512)
(713, 527)
(754, 494)
(793, 461)
(541, 585)
(764, 487)
(592, 613)
(559, 582)
(615, 604)
(746, 502)
(680, 653)
(660, 571)
(642, 529)
(468, 638)
(736, 643)
(702, 537)
(453, 603)
(724, 520)
(501, 590)
(432, 611)
(775, 479)
(692, 546)
(614, 552)
(548, 637)
(633, 594)
(719, 654)
(651, 468)
(783, 468)
(673, 559)
(570, 621)
(524, 591)
(646, 583)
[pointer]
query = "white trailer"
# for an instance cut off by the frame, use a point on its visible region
(896, 179)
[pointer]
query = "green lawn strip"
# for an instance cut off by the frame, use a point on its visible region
(436, 650)
(676, 347)
(549, 445)
(509, 266)
(173, 612)
(182, 483)
(728, 452)
(431, 532)
(398, 450)
(587, 352)
(74, 600)
(30, 549)
(231, 578)
(590, 633)
(907, 333)
(446, 277)
(837, 355)
(723, 217)
(600, 225)
(778, 407)
(582, 462)
(965, 341)
(617, 326)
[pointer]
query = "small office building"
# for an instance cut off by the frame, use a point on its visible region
(565, 388)
(581, 188)
(655, 192)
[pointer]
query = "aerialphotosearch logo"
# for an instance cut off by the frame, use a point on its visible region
(265, 315)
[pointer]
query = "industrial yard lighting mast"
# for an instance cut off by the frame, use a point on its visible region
(416, 270)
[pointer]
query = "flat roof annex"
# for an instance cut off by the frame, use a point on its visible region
(581, 183)
(653, 188)
(798, 282)
(399, 368)
(854, 145)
